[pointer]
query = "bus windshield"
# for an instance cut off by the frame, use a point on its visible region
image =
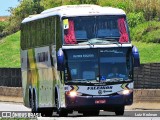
(97, 65)
(95, 29)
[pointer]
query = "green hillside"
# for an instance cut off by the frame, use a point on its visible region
(149, 52)
(10, 51)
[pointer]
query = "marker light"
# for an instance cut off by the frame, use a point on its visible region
(124, 92)
(60, 60)
(72, 93)
(136, 58)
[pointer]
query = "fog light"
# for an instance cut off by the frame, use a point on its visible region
(124, 92)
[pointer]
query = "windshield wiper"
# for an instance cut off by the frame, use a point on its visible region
(90, 43)
(96, 41)
(103, 40)
(110, 40)
(87, 42)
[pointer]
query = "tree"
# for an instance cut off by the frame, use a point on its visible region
(37, 6)
(88, 1)
(25, 8)
(51, 3)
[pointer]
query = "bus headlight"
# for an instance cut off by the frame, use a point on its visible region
(125, 92)
(71, 93)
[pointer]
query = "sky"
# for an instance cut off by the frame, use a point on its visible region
(5, 4)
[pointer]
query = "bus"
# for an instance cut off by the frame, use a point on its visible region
(77, 58)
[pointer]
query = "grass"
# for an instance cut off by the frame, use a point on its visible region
(149, 52)
(146, 32)
(10, 51)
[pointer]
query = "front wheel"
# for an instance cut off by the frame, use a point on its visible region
(34, 104)
(119, 111)
(91, 113)
(62, 112)
(46, 112)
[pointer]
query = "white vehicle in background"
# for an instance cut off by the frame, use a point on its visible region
(77, 58)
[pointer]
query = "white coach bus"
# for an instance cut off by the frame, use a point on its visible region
(77, 58)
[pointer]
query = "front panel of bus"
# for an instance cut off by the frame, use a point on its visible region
(98, 69)
(98, 76)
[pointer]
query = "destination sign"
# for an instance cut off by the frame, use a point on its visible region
(84, 56)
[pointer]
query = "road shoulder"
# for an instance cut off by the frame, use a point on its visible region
(11, 99)
(144, 106)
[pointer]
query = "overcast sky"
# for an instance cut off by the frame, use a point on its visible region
(5, 4)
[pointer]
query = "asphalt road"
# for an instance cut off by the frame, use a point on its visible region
(6, 106)
(128, 115)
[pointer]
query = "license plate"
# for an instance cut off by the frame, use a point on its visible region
(100, 101)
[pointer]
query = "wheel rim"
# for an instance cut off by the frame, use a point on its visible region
(34, 105)
(57, 103)
(30, 102)
(60, 111)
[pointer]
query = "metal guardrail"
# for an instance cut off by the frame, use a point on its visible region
(10, 77)
(147, 76)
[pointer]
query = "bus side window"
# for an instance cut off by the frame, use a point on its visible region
(58, 34)
(69, 36)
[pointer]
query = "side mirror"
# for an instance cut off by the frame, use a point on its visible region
(60, 60)
(136, 59)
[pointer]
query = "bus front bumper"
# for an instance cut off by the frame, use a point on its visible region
(98, 102)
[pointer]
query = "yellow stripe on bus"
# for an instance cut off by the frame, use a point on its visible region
(32, 64)
(124, 86)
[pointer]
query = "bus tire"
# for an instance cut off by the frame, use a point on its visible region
(120, 111)
(34, 103)
(91, 113)
(30, 98)
(62, 112)
(46, 112)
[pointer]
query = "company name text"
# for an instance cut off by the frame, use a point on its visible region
(99, 87)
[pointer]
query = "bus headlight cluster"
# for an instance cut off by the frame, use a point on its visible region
(71, 93)
(125, 92)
